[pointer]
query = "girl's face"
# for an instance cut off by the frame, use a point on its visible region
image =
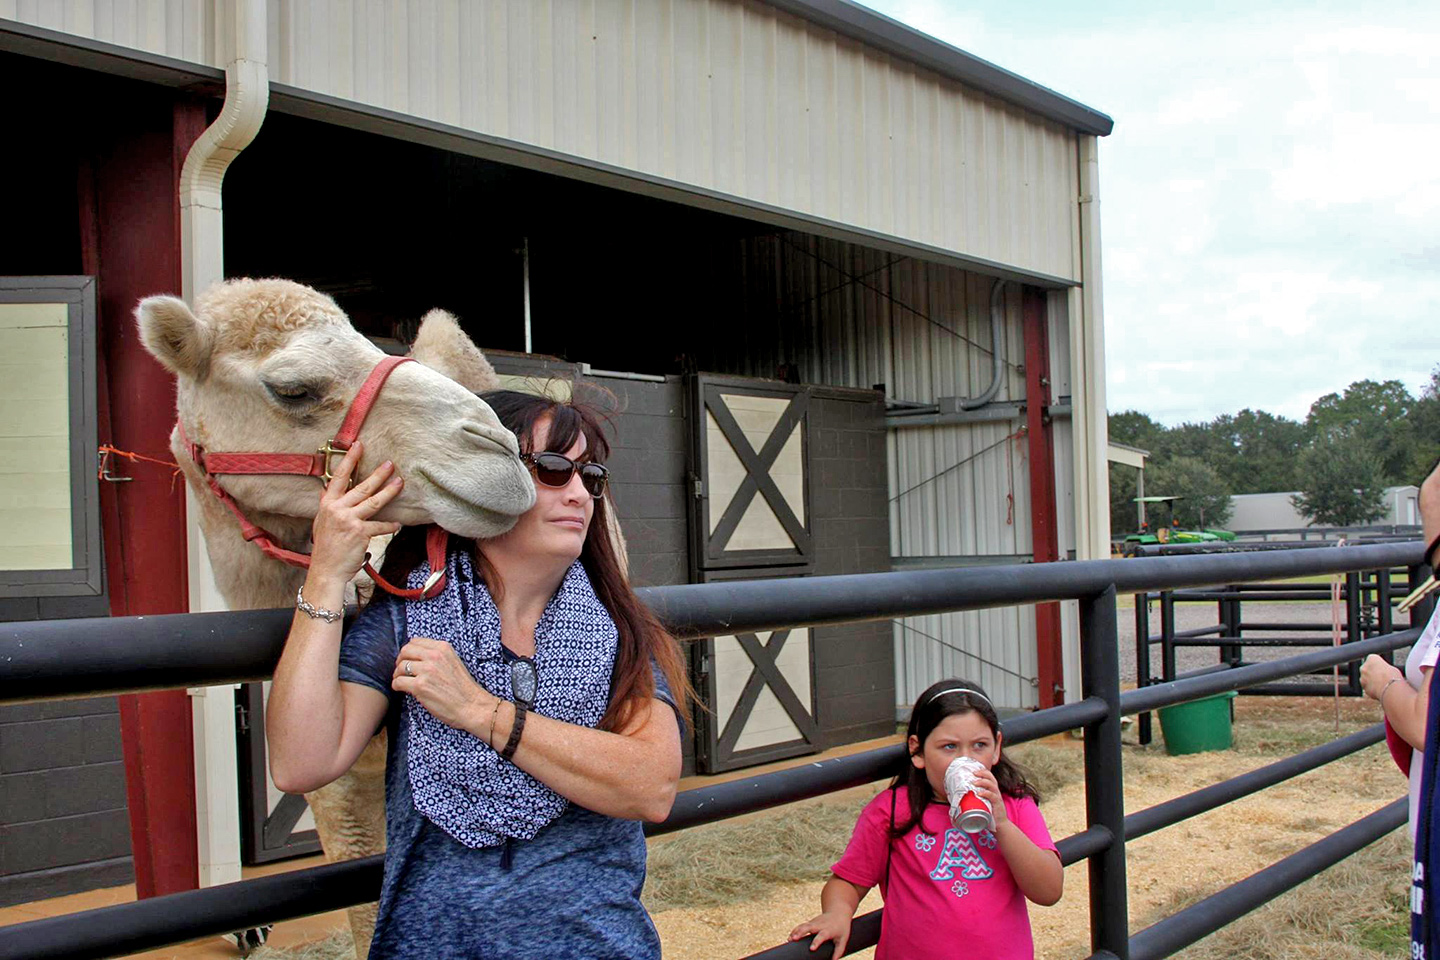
(556, 526)
(958, 735)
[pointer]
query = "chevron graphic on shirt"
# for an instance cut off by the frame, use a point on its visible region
(960, 851)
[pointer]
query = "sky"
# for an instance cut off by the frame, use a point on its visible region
(1270, 197)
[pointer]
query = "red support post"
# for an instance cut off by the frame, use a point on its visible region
(130, 238)
(1044, 533)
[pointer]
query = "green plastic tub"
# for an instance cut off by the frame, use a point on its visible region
(1197, 726)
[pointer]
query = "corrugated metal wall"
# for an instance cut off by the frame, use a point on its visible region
(730, 97)
(846, 315)
(183, 29)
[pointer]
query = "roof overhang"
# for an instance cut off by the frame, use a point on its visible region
(907, 43)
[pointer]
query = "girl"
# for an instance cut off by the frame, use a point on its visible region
(946, 891)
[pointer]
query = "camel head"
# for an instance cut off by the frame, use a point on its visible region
(272, 366)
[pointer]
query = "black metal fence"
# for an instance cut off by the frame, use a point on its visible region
(58, 659)
(1365, 598)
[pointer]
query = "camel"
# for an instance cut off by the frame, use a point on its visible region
(272, 365)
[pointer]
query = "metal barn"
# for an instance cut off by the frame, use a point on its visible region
(843, 278)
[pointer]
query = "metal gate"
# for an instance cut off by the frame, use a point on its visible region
(750, 518)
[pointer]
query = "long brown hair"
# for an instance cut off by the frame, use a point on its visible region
(642, 637)
(929, 710)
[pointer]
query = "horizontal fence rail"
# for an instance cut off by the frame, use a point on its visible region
(53, 659)
(58, 659)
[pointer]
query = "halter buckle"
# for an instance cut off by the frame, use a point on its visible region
(326, 452)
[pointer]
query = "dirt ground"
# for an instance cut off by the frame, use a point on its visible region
(1191, 859)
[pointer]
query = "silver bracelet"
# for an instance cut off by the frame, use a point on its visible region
(1384, 690)
(313, 612)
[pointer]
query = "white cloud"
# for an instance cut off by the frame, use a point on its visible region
(1270, 198)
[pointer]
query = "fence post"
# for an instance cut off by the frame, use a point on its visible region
(1104, 790)
(1383, 612)
(1142, 656)
(1354, 631)
(1167, 635)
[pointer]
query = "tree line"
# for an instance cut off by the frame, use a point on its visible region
(1339, 459)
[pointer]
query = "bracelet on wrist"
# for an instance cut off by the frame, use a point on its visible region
(313, 612)
(1386, 689)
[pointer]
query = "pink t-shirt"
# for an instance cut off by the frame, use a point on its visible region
(951, 893)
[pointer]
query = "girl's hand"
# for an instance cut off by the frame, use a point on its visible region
(431, 672)
(988, 787)
(343, 528)
(827, 928)
(1375, 673)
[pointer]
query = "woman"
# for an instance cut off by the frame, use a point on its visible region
(1405, 697)
(532, 708)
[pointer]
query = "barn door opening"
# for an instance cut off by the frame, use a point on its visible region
(750, 518)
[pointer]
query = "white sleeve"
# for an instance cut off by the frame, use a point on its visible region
(1430, 641)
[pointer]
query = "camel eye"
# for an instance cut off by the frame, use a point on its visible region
(291, 393)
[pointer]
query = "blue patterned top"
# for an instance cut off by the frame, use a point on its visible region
(573, 890)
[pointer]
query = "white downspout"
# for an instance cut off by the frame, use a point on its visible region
(1087, 351)
(243, 26)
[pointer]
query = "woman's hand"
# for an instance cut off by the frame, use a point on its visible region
(827, 928)
(1375, 674)
(431, 672)
(989, 788)
(343, 528)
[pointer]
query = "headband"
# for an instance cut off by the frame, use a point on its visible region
(974, 693)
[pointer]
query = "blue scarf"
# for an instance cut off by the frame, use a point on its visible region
(1424, 931)
(457, 780)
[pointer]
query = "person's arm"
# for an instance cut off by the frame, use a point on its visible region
(838, 902)
(317, 726)
(1037, 871)
(631, 773)
(1402, 705)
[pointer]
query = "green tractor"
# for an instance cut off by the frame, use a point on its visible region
(1169, 532)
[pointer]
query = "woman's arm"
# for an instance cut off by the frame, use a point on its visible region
(316, 726)
(1403, 706)
(631, 773)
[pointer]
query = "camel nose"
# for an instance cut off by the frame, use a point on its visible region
(489, 436)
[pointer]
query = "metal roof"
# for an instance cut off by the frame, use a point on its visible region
(877, 30)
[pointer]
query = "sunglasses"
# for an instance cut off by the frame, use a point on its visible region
(555, 470)
(524, 681)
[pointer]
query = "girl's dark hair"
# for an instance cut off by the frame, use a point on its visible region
(642, 637)
(935, 704)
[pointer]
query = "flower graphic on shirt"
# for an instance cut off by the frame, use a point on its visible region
(986, 839)
(924, 842)
(960, 888)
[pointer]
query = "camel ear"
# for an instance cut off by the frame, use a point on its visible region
(443, 347)
(175, 336)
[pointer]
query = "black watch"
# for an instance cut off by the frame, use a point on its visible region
(516, 728)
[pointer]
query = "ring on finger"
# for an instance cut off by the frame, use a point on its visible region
(408, 671)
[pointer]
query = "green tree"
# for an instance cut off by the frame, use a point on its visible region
(1425, 426)
(1207, 496)
(1378, 412)
(1342, 481)
(1135, 429)
(1266, 449)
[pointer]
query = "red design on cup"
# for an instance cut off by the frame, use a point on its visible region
(976, 814)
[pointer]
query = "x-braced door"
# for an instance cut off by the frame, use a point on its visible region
(750, 519)
(273, 825)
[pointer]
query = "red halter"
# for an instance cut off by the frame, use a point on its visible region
(316, 465)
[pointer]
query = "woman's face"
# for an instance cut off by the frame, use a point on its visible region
(556, 526)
